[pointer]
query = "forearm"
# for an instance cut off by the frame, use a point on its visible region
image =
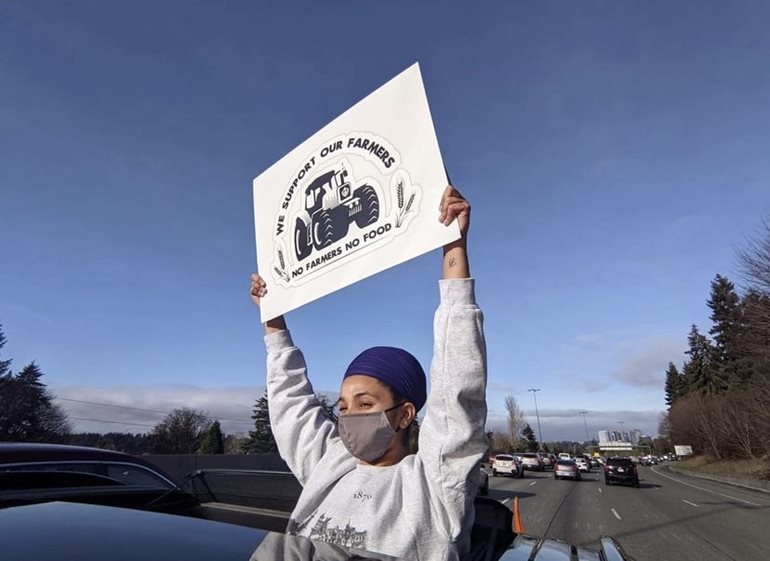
(455, 262)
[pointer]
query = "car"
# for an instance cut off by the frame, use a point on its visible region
(32, 472)
(507, 464)
(621, 470)
(582, 464)
(483, 482)
(564, 456)
(595, 463)
(532, 462)
(548, 460)
(566, 468)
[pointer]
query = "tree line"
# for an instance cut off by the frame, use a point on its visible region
(28, 413)
(719, 399)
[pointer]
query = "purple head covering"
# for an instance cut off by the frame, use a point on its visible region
(394, 367)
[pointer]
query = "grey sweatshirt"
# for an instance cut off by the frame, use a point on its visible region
(420, 508)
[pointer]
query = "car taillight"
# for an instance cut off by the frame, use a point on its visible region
(633, 470)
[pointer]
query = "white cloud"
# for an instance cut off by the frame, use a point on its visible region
(138, 409)
(567, 424)
(644, 362)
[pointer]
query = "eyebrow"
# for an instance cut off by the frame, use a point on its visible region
(359, 394)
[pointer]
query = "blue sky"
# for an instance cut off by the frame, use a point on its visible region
(615, 155)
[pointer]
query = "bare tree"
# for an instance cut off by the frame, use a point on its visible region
(755, 260)
(515, 421)
(180, 432)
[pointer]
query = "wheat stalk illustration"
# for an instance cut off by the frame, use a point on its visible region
(400, 194)
(281, 271)
(409, 204)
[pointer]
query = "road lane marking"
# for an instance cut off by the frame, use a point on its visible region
(531, 484)
(505, 501)
(702, 489)
(689, 503)
(600, 489)
(616, 514)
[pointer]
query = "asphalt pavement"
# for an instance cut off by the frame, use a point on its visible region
(670, 516)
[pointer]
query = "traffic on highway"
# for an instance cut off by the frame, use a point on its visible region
(666, 515)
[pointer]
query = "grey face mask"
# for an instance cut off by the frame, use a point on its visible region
(366, 435)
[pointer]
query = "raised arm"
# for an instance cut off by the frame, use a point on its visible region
(452, 434)
(301, 430)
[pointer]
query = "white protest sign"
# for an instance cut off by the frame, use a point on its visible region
(359, 196)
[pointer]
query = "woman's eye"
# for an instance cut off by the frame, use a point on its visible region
(366, 405)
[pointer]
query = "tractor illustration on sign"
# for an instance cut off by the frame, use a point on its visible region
(330, 206)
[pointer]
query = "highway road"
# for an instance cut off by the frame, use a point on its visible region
(671, 516)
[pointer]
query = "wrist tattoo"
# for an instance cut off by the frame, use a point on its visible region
(452, 262)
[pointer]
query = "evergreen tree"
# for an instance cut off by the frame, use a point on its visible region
(5, 365)
(700, 372)
(725, 331)
(27, 411)
(674, 384)
(214, 442)
(529, 434)
(753, 348)
(261, 438)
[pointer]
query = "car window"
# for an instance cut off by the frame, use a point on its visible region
(503, 458)
(126, 474)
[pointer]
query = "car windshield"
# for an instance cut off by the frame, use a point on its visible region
(503, 458)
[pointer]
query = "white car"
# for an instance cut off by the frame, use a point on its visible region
(582, 464)
(564, 456)
(506, 464)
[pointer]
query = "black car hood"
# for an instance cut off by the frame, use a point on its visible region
(57, 530)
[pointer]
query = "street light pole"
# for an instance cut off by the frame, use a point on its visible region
(537, 413)
(585, 423)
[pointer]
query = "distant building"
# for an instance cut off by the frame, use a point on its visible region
(604, 437)
(635, 436)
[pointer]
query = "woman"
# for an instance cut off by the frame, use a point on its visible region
(361, 487)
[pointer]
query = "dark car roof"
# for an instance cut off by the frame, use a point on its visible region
(620, 461)
(30, 451)
(21, 452)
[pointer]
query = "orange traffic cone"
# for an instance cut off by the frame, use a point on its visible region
(518, 527)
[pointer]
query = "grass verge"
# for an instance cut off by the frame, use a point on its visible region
(757, 468)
